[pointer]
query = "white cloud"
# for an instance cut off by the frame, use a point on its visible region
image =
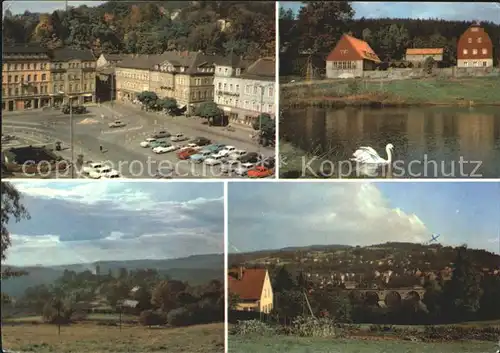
(301, 214)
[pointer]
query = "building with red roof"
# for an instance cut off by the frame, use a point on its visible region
(253, 289)
(474, 48)
(350, 57)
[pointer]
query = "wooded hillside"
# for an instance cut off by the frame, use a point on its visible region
(243, 27)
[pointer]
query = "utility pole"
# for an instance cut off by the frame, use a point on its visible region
(260, 114)
(71, 136)
(112, 77)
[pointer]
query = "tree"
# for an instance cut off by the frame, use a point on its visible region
(266, 127)
(11, 209)
(165, 294)
(117, 291)
(283, 281)
(463, 292)
(147, 98)
(168, 104)
(429, 64)
(210, 111)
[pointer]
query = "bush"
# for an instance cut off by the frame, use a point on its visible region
(311, 327)
(249, 327)
(180, 317)
(152, 318)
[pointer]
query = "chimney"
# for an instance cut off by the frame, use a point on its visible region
(240, 273)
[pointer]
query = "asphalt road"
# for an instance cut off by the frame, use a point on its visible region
(121, 145)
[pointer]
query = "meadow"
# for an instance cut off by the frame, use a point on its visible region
(291, 344)
(428, 91)
(92, 337)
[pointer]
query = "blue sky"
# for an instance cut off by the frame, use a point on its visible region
(88, 221)
(482, 11)
(17, 7)
(271, 216)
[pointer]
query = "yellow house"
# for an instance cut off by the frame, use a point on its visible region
(253, 289)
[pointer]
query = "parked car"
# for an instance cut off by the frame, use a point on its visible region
(269, 162)
(113, 174)
(165, 149)
(91, 167)
(162, 134)
(147, 142)
(101, 172)
(213, 160)
(251, 157)
(227, 150)
(260, 172)
(77, 109)
(236, 155)
(200, 141)
(159, 143)
(215, 148)
(178, 138)
(243, 168)
(229, 166)
(200, 156)
(187, 153)
(117, 123)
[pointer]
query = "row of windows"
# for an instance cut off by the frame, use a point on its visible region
(202, 95)
(345, 65)
(60, 76)
(28, 78)
(474, 51)
(479, 40)
(203, 81)
(254, 106)
(476, 63)
(256, 89)
(27, 90)
(227, 72)
(25, 66)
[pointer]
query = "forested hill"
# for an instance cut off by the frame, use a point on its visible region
(389, 37)
(242, 27)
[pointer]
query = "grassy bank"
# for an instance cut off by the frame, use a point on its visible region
(431, 91)
(90, 337)
(288, 344)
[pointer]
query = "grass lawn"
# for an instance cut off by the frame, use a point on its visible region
(91, 338)
(289, 344)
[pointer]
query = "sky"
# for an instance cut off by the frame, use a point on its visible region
(18, 7)
(277, 215)
(84, 222)
(467, 11)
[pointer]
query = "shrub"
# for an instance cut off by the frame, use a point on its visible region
(311, 327)
(152, 318)
(249, 327)
(180, 317)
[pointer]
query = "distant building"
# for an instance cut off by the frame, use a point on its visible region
(111, 59)
(253, 288)
(474, 48)
(419, 55)
(350, 57)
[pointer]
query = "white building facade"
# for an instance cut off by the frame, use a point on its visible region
(245, 91)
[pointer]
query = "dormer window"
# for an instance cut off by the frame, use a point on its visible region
(469, 40)
(182, 68)
(238, 72)
(480, 40)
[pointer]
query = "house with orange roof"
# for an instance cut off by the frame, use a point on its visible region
(418, 55)
(253, 289)
(350, 57)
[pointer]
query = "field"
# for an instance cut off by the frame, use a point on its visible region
(483, 90)
(288, 344)
(90, 337)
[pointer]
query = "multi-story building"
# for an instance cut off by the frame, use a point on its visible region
(73, 75)
(25, 77)
(474, 48)
(186, 77)
(228, 84)
(110, 59)
(258, 90)
(252, 288)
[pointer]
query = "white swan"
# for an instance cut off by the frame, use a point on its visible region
(367, 155)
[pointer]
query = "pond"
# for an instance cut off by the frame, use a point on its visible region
(429, 142)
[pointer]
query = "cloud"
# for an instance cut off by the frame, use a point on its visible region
(89, 221)
(298, 214)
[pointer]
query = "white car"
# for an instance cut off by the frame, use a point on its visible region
(229, 166)
(117, 123)
(243, 169)
(214, 160)
(100, 172)
(92, 167)
(147, 142)
(189, 145)
(226, 151)
(237, 154)
(165, 149)
(178, 137)
(113, 174)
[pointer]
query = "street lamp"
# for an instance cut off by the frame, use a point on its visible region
(71, 133)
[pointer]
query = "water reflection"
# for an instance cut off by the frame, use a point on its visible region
(437, 138)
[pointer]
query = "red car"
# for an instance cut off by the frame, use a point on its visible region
(260, 172)
(185, 154)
